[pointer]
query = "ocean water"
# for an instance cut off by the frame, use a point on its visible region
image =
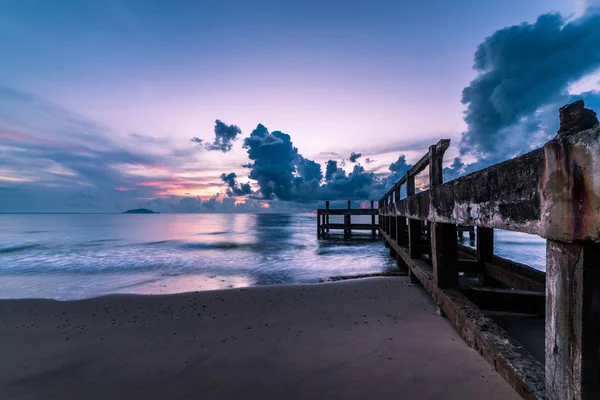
(73, 256)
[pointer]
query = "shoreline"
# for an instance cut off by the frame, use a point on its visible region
(359, 338)
(185, 288)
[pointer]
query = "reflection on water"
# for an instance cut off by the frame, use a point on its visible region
(77, 256)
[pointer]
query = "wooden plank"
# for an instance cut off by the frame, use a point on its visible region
(354, 227)
(354, 211)
(510, 273)
(572, 321)
(516, 301)
(511, 278)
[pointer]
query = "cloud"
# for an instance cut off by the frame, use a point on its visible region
(56, 160)
(233, 188)
(225, 135)
(453, 171)
(524, 72)
(273, 167)
(354, 157)
(197, 141)
(282, 173)
(397, 170)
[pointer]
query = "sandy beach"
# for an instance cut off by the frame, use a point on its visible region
(375, 338)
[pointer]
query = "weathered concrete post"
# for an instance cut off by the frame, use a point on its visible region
(570, 190)
(444, 246)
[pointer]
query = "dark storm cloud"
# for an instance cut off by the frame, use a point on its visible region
(453, 171)
(273, 157)
(308, 170)
(522, 69)
(233, 187)
(354, 157)
(397, 170)
(224, 136)
(282, 173)
(332, 170)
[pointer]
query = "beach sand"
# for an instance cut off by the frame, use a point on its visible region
(375, 338)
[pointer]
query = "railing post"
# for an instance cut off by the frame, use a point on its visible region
(388, 201)
(572, 320)
(386, 219)
(379, 217)
(444, 246)
(414, 230)
(414, 226)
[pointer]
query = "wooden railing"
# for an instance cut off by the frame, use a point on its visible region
(552, 192)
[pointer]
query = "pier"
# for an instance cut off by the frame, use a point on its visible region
(552, 192)
(324, 225)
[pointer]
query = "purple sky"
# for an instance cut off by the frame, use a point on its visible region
(126, 84)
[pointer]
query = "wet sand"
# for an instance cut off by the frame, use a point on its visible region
(375, 338)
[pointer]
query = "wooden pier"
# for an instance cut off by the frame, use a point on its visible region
(552, 192)
(324, 225)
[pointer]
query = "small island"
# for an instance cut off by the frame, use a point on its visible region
(140, 211)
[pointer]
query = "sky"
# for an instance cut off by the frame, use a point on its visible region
(255, 105)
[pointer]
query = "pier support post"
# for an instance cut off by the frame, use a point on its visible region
(485, 252)
(401, 231)
(444, 255)
(572, 320)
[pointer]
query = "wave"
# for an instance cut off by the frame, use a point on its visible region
(216, 246)
(155, 243)
(18, 248)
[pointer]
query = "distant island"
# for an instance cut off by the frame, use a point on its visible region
(140, 211)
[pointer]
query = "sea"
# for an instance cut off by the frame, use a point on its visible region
(76, 256)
